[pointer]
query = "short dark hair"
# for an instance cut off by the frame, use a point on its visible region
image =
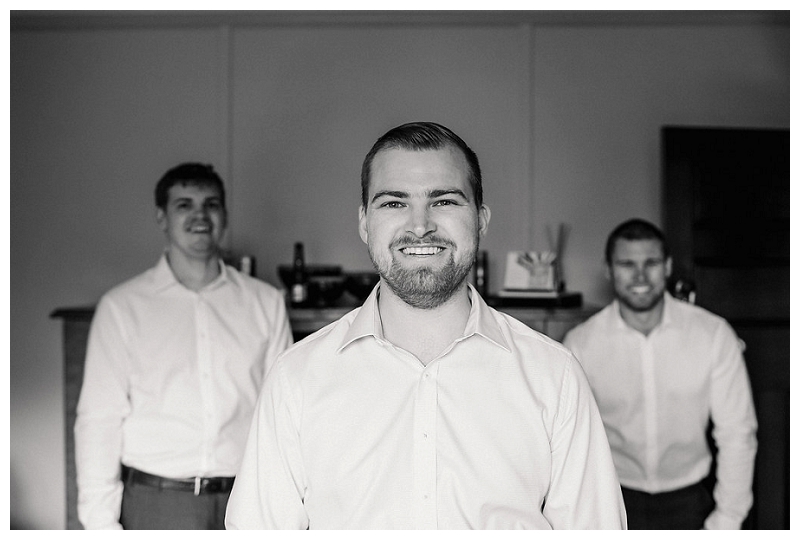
(635, 229)
(423, 136)
(196, 174)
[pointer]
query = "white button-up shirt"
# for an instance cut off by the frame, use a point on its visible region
(500, 431)
(656, 394)
(171, 380)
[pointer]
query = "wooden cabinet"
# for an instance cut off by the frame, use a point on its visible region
(76, 323)
(726, 216)
(553, 322)
(75, 330)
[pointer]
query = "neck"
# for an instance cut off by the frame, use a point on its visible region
(642, 321)
(423, 332)
(193, 273)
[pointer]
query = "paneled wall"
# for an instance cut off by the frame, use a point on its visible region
(565, 119)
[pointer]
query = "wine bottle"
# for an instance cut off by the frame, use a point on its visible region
(482, 274)
(299, 292)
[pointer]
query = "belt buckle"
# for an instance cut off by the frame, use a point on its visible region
(197, 482)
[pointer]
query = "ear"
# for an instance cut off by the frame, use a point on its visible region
(161, 219)
(362, 224)
(608, 271)
(668, 267)
(484, 215)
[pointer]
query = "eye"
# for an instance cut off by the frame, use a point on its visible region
(392, 204)
(445, 202)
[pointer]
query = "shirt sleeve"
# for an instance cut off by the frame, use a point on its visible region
(571, 342)
(584, 490)
(102, 406)
(281, 334)
(734, 432)
(269, 490)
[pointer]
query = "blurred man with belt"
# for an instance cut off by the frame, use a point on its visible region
(661, 369)
(175, 359)
(425, 408)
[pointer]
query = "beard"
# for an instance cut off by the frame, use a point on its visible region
(642, 304)
(425, 287)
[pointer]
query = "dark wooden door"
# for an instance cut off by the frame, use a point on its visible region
(726, 215)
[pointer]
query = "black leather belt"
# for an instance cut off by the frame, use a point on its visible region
(198, 485)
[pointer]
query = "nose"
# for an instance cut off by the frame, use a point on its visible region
(420, 222)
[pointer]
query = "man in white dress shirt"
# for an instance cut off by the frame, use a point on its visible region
(175, 359)
(660, 368)
(425, 408)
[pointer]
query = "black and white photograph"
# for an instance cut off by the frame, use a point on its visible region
(439, 268)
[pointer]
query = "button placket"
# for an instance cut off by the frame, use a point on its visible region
(650, 405)
(204, 364)
(425, 445)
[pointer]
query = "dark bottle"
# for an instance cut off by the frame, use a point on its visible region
(247, 265)
(482, 274)
(299, 292)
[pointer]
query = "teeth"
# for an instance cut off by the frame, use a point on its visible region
(641, 289)
(422, 250)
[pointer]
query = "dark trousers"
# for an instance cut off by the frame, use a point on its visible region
(685, 508)
(151, 508)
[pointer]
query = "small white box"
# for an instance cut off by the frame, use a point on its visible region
(530, 270)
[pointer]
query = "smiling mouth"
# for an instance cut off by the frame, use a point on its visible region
(200, 228)
(640, 289)
(421, 250)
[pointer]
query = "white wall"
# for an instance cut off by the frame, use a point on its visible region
(309, 104)
(96, 118)
(600, 98)
(564, 119)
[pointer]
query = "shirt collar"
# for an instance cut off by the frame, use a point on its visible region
(481, 321)
(669, 309)
(164, 277)
(666, 317)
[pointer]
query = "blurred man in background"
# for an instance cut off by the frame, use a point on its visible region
(175, 359)
(660, 369)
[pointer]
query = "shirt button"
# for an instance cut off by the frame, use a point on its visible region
(424, 435)
(427, 375)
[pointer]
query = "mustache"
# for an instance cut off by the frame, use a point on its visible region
(411, 240)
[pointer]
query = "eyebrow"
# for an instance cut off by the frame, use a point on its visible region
(389, 193)
(648, 259)
(217, 198)
(432, 194)
(442, 192)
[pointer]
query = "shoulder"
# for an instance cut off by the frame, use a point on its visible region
(254, 286)
(549, 367)
(521, 333)
(691, 315)
(532, 347)
(693, 312)
(138, 284)
(321, 345)
(599, 323)
(695, 320)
